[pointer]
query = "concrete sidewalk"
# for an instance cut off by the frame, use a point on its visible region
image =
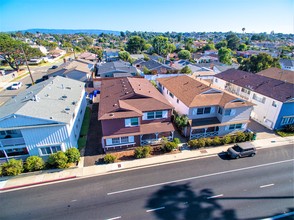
(42, 177)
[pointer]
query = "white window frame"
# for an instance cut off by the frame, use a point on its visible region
(145, 115)
(120, 140)
(51, 149)
(259, 98)
(287, 120)
(128, 122)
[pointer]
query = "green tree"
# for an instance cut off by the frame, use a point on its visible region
(58, 160)
(209, 46)
(233, 41)
(34, 163)
(135, 44)
(242, 47)
(12, 167)
(98, 52)
(186, 70)
(124, 55)
(73, 155)
(160, 44)
(257, 63)
(181, 121)
(225, 55)
(11, 51)
(221, 44)
(170, 48)
(184, 54)
(146, 71)
(147, 46)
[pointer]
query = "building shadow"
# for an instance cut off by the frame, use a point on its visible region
(181, 202)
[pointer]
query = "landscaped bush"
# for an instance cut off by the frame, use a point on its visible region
(169, 146)
(142, 152)
(226, 139)
(201, 143)
(12, 167)
(109, 158)
(73, 155)
(241, 137)
(216, 141)
(177, 140)
(34, 163)
(233, 139)
(58, 160)
(1, 171)
(249, 136)
(193, 143)
(289, 128)
(163, 141)
(208, 141)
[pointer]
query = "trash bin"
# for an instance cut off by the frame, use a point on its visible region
(254, 137)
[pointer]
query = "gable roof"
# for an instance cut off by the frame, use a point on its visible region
(273, 88)
(279, 74)
(116, 67)
(129, 97)
(194, 93)
(54, 99)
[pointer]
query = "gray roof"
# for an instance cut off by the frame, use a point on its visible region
(116, 66)
(287, 62)
(54, 99)
(273, 88)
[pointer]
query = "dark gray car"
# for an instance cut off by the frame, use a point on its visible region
(245, 149)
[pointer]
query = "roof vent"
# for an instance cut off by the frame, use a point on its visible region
(67, 109)
(64, 96)
(111, 114)
(126, 92)
(74, 103)
(68, 87)
(51, 117)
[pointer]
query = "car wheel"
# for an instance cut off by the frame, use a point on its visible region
(252, 155)
(237, 157)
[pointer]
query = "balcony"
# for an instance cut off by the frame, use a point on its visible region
(11, 142)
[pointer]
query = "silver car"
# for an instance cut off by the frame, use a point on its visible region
(245, 149)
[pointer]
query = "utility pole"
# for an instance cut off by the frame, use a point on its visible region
(33, 82)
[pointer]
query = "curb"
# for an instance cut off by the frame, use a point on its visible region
(37, 183)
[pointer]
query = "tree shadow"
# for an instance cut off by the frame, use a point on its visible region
(181, 202)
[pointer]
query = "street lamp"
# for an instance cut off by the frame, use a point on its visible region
(33, 82)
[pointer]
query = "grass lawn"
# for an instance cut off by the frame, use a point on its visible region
(84, 129)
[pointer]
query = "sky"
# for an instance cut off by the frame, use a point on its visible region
(150, 15)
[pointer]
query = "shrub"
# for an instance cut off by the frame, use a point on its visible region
(34, 163)
(12, 167)
(142, 152)
(289, 128)
(163, 141)
(241, 137)
(109, 158)
(208, 141)
(169, 146)
(1, 171)
(73, 155)
(233, 139)
(193, 143)
(226, 139)
(248, 136)
(177, 140)
(201, 142)
(58, 160)
(216, 141)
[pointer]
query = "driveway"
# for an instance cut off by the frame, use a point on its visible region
(262, 132)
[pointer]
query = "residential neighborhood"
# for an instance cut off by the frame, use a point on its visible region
(118, 111)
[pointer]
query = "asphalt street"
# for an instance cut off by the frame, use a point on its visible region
(209, 188)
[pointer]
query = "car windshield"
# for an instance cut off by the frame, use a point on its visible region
(15, 84)
(237, 148)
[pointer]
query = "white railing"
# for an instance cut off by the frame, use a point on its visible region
(204, 135)
(154, 141)
(8, 142)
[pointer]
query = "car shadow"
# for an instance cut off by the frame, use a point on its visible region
(224, 156)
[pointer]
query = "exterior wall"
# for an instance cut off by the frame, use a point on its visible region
(117, 127)
(195, 116)
(46, 136)
(180, 107)
(265, 113)
(21, 121)
(148, 121)
(287, 109)
(240, 115)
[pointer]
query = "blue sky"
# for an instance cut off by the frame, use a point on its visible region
(149, 15)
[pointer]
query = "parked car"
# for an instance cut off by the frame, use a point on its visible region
(245, 149)
(54, 67)
(16, 85)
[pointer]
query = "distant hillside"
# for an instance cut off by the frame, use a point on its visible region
(71, 31)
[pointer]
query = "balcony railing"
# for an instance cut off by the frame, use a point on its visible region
(10, 142)
(154, 141)
(204, 135)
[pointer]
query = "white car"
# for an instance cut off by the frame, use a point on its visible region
(16, 85)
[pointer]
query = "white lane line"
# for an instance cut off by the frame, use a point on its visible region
(216, 196)
(152, 210)
(279, 216)
(118, 217)
(198, 177)
(74, 200)
(263, 186)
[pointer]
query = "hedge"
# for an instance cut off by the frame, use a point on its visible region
(109, 158)
(142, 152)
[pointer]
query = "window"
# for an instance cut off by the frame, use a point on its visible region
(247, 91)
(274, 104)
(130, 122)
(201, 111)
(166, 91)
(154, 115)
(215, 80)
(220, 110)
(287, 120)
(150, 115)
(171, 95)
(235, 126)
(258, 98)
(16, 152)
(158, 114)
(119, 140)
(50, 150)
(228, 112)
(115, 140)
(177, 100)
(124, 139)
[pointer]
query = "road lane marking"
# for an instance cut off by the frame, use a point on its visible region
(263, 186)
(74, 200)
(152, 210)
(118, 217)
(216, 196)
(198, 177)
(279, 216)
